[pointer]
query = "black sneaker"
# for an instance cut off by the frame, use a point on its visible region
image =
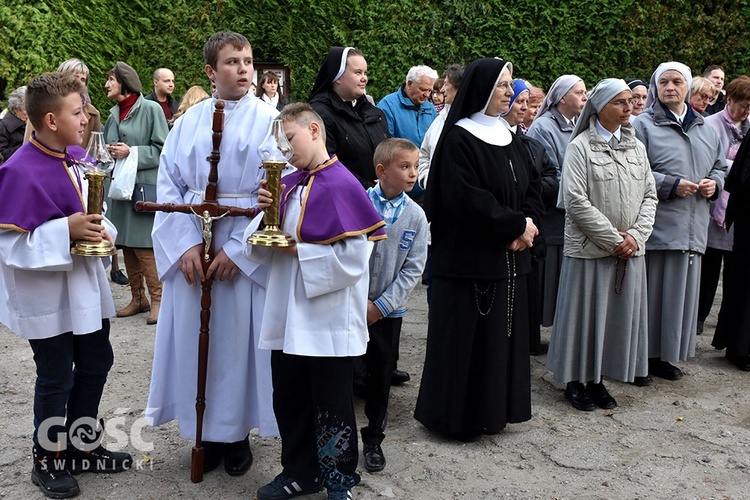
(283, 487)
(51, 475)
(340, 495)
(99, 460)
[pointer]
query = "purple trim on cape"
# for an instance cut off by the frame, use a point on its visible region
(334, 205)
(36, 186)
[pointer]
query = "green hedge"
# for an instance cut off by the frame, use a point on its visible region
(592, 38)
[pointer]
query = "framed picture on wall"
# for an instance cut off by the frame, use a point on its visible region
(281, 71)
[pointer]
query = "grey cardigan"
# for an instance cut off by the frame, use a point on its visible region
(397, 263)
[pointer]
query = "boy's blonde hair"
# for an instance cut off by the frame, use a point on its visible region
(303, 115)
(46, 92)
(389, 148)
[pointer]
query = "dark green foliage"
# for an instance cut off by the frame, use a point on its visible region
(593, 39)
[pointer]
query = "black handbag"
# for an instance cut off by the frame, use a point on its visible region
(143, 192)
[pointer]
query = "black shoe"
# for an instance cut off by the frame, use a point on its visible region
(51, 475)
(643, 381)
(699, 328)
(663, 369)
(283, 487)
(575, 392)
(374, 457)
(741, 362)
(99, 460)
(599, 394)
(237, 457)
(399, 377)
(212, 454)
(118, 277)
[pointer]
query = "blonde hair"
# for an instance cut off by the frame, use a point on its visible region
(303, 115)
(193, 96)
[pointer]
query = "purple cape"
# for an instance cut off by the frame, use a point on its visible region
(36, 185)
(334, 205)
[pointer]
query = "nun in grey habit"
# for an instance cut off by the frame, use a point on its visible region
(601, 320)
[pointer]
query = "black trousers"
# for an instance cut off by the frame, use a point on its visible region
(312, 399)
(380, 361)
(710, 271)
(71, 371)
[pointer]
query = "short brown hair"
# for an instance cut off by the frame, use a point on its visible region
(739, 89)
(389, 148)
(303, 115)
(218, 41)
(46, 92)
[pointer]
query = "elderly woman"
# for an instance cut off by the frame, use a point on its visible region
(536, 97)
(476, 375)
(639, 88)
(268, 91)
(354, 126)
(688, 166)
(732, 125)
(601, 323)
(135, 126)
(702, 92)
(451, 83)
(13, 124)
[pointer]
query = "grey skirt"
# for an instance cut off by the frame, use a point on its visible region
(601, 321)
(673, 289)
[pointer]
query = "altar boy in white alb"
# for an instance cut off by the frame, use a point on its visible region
(314, 321)
(238, 390)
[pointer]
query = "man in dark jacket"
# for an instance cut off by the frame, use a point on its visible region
(162, 93)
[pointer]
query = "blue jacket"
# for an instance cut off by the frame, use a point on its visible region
(406, 119)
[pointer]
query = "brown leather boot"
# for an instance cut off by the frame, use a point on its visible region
(139, 302)
(148, 265)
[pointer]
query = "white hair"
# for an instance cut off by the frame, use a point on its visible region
(417, 72)
(17, 99)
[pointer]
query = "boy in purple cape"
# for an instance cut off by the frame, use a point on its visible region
(60, 302)
(315, 316)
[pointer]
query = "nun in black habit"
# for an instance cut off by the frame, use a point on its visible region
(354, 126)
(484, 204)
(733, 328)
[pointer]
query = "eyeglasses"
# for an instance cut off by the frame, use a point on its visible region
(705, 97)
(624, 103)
(505, 86)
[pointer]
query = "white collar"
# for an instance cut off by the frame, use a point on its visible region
(606, 134)
(486, 128)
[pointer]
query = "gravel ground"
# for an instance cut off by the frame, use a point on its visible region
(683, 439)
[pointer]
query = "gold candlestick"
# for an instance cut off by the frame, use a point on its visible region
(97, 163)
(275, 151)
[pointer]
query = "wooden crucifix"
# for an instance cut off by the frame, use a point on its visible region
(207, 212)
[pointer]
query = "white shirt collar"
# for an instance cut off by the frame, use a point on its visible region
(486, 128)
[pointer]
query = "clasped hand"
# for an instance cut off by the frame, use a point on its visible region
(526, 240)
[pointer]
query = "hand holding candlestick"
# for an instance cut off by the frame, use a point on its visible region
(97, 165)
(275, 151)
